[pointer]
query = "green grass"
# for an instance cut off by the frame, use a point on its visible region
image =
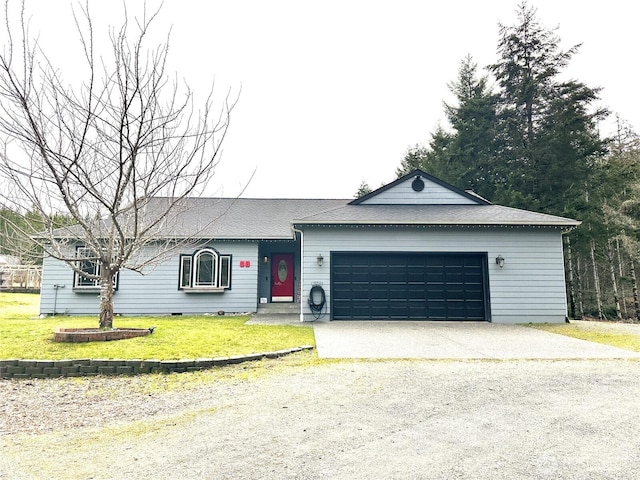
(25, 336)
(594, 332)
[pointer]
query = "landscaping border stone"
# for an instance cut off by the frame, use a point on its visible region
(79, 335)
(19, 368)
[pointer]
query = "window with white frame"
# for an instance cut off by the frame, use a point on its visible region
(205, 269)
(87, 262)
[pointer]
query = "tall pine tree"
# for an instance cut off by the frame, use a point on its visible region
(464, 154)
(472, 150)
(548, 126)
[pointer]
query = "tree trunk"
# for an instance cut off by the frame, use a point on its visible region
(596, 281)
(621, 275)
(106, 296)
(572, 293)
(580, 289)
(614, 281)
(634, 286)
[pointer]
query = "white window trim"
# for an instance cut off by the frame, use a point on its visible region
(220, 284)
(181, 283)
(226, 282)
(89, 284)
(195, 271)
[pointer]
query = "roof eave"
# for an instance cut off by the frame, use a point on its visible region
(442, 223)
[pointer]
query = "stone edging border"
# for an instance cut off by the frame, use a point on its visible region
(87, 367)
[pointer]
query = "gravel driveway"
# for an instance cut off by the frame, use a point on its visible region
(415, 419)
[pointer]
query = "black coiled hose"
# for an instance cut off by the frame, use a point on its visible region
(317, 301)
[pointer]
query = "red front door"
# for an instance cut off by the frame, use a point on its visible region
(282, 277)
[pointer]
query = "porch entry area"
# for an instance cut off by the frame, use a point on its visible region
(282, 277)
(279, 273)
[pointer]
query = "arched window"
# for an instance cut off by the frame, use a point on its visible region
(205, 269)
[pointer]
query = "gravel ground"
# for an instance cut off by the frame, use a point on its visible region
(342, 420)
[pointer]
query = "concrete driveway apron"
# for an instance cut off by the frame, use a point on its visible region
(452, 340)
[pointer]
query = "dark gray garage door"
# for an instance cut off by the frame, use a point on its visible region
(430, 286)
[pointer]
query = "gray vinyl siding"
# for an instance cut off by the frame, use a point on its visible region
(156, 292)
(530, 287)
(433, 194)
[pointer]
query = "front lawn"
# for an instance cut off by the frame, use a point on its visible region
(25, 336)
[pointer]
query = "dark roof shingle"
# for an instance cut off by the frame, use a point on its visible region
(242, 218)
(273, 219)
(433, 215)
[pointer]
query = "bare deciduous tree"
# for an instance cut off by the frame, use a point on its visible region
(99, 151)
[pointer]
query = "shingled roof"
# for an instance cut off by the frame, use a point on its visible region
(224, 218)
(468, 215)
(273, 219)
(244, 218)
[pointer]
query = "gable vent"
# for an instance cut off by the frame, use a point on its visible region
(417, 184)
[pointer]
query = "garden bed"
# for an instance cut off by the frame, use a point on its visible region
(77, 335)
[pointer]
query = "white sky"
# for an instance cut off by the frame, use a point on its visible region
(334, 92)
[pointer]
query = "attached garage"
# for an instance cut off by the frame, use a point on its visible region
(409, 286)
(421, 249)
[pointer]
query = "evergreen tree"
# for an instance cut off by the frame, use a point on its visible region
(567, 149)
(474, 142)
(464, 156)
(363, 189)
(535, 144)
(548, 130)
(434, 159)
(17, 228)
(414, 158)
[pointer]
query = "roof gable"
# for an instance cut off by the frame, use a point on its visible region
(419, 188)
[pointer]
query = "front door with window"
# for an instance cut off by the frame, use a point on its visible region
(282, 283)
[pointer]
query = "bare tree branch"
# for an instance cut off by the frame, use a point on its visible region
(98, 152)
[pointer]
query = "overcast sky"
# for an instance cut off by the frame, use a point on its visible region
(334, 92)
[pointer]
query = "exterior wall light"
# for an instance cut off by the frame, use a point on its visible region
(500, 261)
(265, 259)
(320, 259)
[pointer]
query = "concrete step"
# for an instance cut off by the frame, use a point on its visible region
(278, 309)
